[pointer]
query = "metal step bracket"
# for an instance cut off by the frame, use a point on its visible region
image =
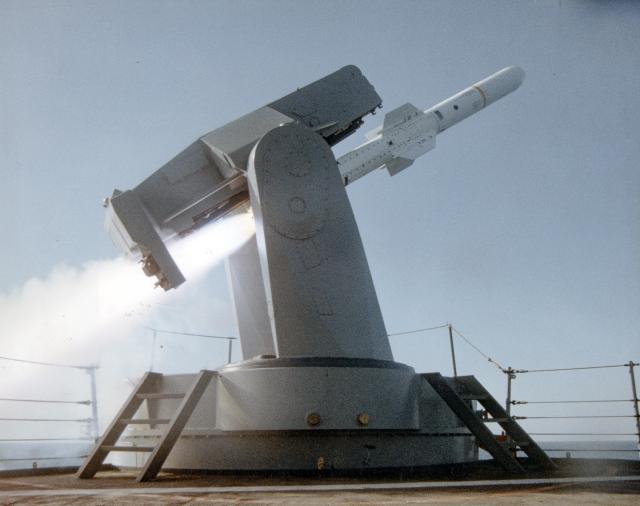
(145, 390)
(469, 388)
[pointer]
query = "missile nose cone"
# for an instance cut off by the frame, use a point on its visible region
(500, 84)
(517, 74)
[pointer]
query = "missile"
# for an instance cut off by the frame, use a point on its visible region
(408, 133)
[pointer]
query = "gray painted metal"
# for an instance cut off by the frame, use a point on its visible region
(249, 298)
(242, 424)
(175, 426)
(160, 396)
(306, 451)
(320, 294)
(144, 421)
(634, 393)
(332, 106)
(207, 180)
(130, 226)
(204, 415)
(471, 420)
(146, 390)
(117, 448)
(95, 434)
(326, 391)
(280, 398)
(471, 386)
(115, 429)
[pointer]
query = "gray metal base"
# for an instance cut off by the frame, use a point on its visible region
(304, 451)
(306, 414)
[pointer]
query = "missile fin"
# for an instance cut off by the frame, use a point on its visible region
(398, 164)
(399, 115)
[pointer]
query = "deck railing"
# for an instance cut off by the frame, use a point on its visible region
(36, 430)
(567, 414)
(605, 411)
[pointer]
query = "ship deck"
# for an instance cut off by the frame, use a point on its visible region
(577, 481)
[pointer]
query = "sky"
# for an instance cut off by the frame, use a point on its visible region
(522, 227)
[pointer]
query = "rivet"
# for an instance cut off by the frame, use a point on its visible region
(313, 419)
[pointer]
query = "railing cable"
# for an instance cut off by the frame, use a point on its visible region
(582, 434)
(572, 416)
(491, 360)
(190, 334)
(44, 458)
(86, 403)
(5, 440)
(35, 362)
(521, 371)
(86, 420)
(418, 330)
(571, 402)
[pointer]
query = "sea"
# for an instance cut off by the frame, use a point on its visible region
(600, 449)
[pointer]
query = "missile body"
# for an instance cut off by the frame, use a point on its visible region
(408, 132)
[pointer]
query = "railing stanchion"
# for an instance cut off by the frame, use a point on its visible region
(95, 434)
(453, 351)
(510, 372)
(634, 392)
(230, 350)
(510, 376)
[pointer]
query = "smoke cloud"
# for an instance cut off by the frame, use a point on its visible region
(95, 314)
(55, 318)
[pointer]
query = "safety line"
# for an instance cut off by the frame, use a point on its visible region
(569, 402)
(521, 371)
(45, 458)
(46, 419)
(417, 330)
(50, 402)
(11, 359)
(586, 450)
(189, 334)
(574, 416)
(48, 439)
(494, 362)
(582, 434)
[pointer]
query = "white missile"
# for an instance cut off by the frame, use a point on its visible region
(408, 132)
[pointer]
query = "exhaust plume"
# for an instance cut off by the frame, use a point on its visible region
(95, 314)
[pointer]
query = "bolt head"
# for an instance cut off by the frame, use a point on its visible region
(313, 419)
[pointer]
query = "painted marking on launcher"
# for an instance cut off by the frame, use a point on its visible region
(111, 492)
(484, 97)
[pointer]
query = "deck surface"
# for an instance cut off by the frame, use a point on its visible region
(579, 483)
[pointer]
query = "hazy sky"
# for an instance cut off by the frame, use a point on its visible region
(521, 227)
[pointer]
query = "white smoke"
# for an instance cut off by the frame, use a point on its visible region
(58, 318)
(96, 314)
